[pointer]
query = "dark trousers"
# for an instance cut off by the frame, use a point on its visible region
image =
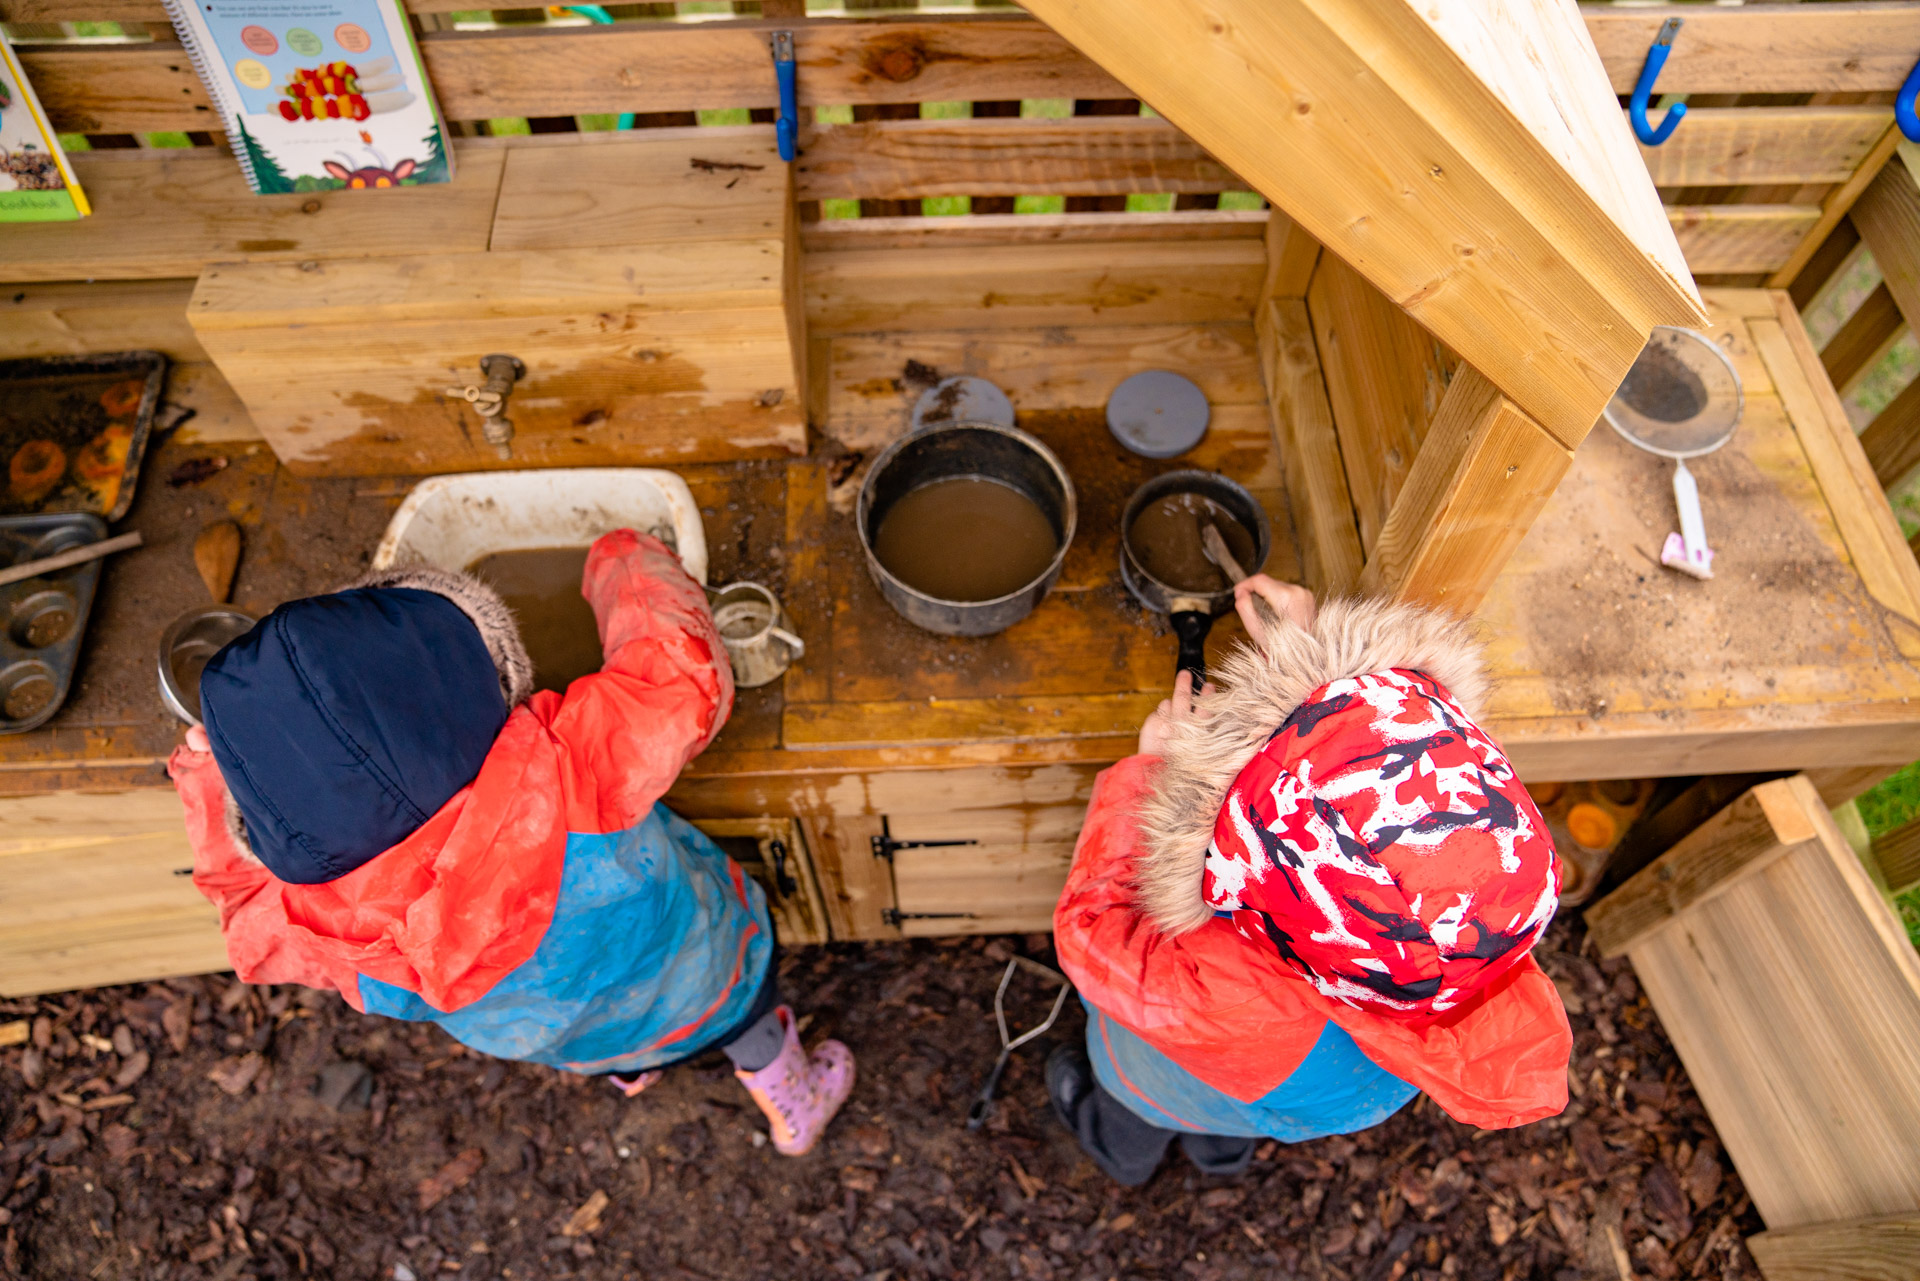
(1130, 1149)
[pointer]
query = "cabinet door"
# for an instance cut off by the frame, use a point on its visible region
(1007, 881)
(773, 851)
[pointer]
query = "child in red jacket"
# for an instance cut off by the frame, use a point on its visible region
(1313, 894)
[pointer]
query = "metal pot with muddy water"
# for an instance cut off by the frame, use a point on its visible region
(1163, 560)
(965, 526)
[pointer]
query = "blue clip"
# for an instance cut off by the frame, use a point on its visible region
(1643, 90)
(1903, 111)
(786, 127)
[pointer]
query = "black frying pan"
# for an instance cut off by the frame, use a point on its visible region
(1191, 613)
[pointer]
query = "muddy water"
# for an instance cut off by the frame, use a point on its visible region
(541, 586)
(1165, 538)
(965, 539)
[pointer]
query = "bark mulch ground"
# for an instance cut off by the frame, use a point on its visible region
(200, 1128)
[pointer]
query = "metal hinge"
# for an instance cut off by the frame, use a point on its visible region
(884, 845)
(782, 880)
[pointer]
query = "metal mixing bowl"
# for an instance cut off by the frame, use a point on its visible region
(188, 643)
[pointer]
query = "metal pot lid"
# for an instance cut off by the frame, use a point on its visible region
(1158, 414)
(962, 399)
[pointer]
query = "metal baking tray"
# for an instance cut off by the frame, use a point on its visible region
(42, 619)
(73, 430)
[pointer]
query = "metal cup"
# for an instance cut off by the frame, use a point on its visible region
(756, 631)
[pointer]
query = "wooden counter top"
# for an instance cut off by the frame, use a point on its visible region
(1605, 665)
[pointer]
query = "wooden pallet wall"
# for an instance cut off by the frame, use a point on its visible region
(1787, 106)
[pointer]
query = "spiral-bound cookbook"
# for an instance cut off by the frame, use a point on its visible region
(317, 95)
(36, 182)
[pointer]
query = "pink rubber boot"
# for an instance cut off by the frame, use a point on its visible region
(800, 1093)
(631, 1086)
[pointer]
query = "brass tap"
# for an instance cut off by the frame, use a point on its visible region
(489, 400)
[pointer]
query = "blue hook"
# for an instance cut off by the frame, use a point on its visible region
(1903, 105)
(786, 127)
(1643, 90)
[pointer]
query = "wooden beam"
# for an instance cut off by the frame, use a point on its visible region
(1468, 160)
(1736, 146)
(74, 319)
(1858, 345)
(1858, 48)
(1882, 1249)
(1888, 216)
(1898, 853)
(1840, 465)
(1385, 378)
(1742, 838)
(1823, 264)
(1730, 239)
(1838, 784)
(1892, 440)
(1309, 448)
(906, 159)
(1483, 474)
(1833, 211)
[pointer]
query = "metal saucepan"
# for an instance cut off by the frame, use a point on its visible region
(1191, 613)
(985, 451)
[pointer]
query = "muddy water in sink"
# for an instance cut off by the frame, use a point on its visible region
(965, 539)
(541, 585)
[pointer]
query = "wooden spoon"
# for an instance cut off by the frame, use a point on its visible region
(1215, 545)
(216, 554)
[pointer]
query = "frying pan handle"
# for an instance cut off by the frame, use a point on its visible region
(1192, 626)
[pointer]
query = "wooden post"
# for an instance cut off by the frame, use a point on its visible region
(1483, 473)
(1308, 447)
(1468, 159)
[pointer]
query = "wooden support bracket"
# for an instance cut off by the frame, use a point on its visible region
(1882, 1249)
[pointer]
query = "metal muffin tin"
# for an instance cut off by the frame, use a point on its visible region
(42, 619)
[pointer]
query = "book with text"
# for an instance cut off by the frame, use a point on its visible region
(317, 95)
(36, 182)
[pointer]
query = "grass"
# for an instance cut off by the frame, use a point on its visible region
(1894, 802)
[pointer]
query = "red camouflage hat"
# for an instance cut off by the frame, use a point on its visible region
(1383, 845)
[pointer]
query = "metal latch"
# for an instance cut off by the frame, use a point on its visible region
(489, 400)
(782, 880)
(893, 916)
(884, 845)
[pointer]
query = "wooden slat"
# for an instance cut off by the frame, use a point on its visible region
(1030, 229)
(1834, 210)
(1385, 378)
(166, 214)
(904, 159)
(1888, 216)
(1793, 999)
(1309, 448)
(857, 887)
(962, 720)
(1734, 146)
(1468, 159)
(1738, 840)
(1768, 49)
(1892, 439)
(1152, 282)
(1874, 541)
(1291, 257)
(1820, 265)
(1898, 853)
(1728, 239)
(644, 187)
(1483, 474)
(1859, 344)
(1883, 1249)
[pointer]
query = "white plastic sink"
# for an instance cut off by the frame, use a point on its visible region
(452, 521)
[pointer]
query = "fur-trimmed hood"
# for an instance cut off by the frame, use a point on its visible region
(1258, 688)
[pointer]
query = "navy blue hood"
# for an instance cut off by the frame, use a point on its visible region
(341, 723)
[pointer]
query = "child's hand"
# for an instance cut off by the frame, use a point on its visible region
(1172, 711)
(1287, 601)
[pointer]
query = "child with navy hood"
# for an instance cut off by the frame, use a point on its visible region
(381, 805)
(1313, 894)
